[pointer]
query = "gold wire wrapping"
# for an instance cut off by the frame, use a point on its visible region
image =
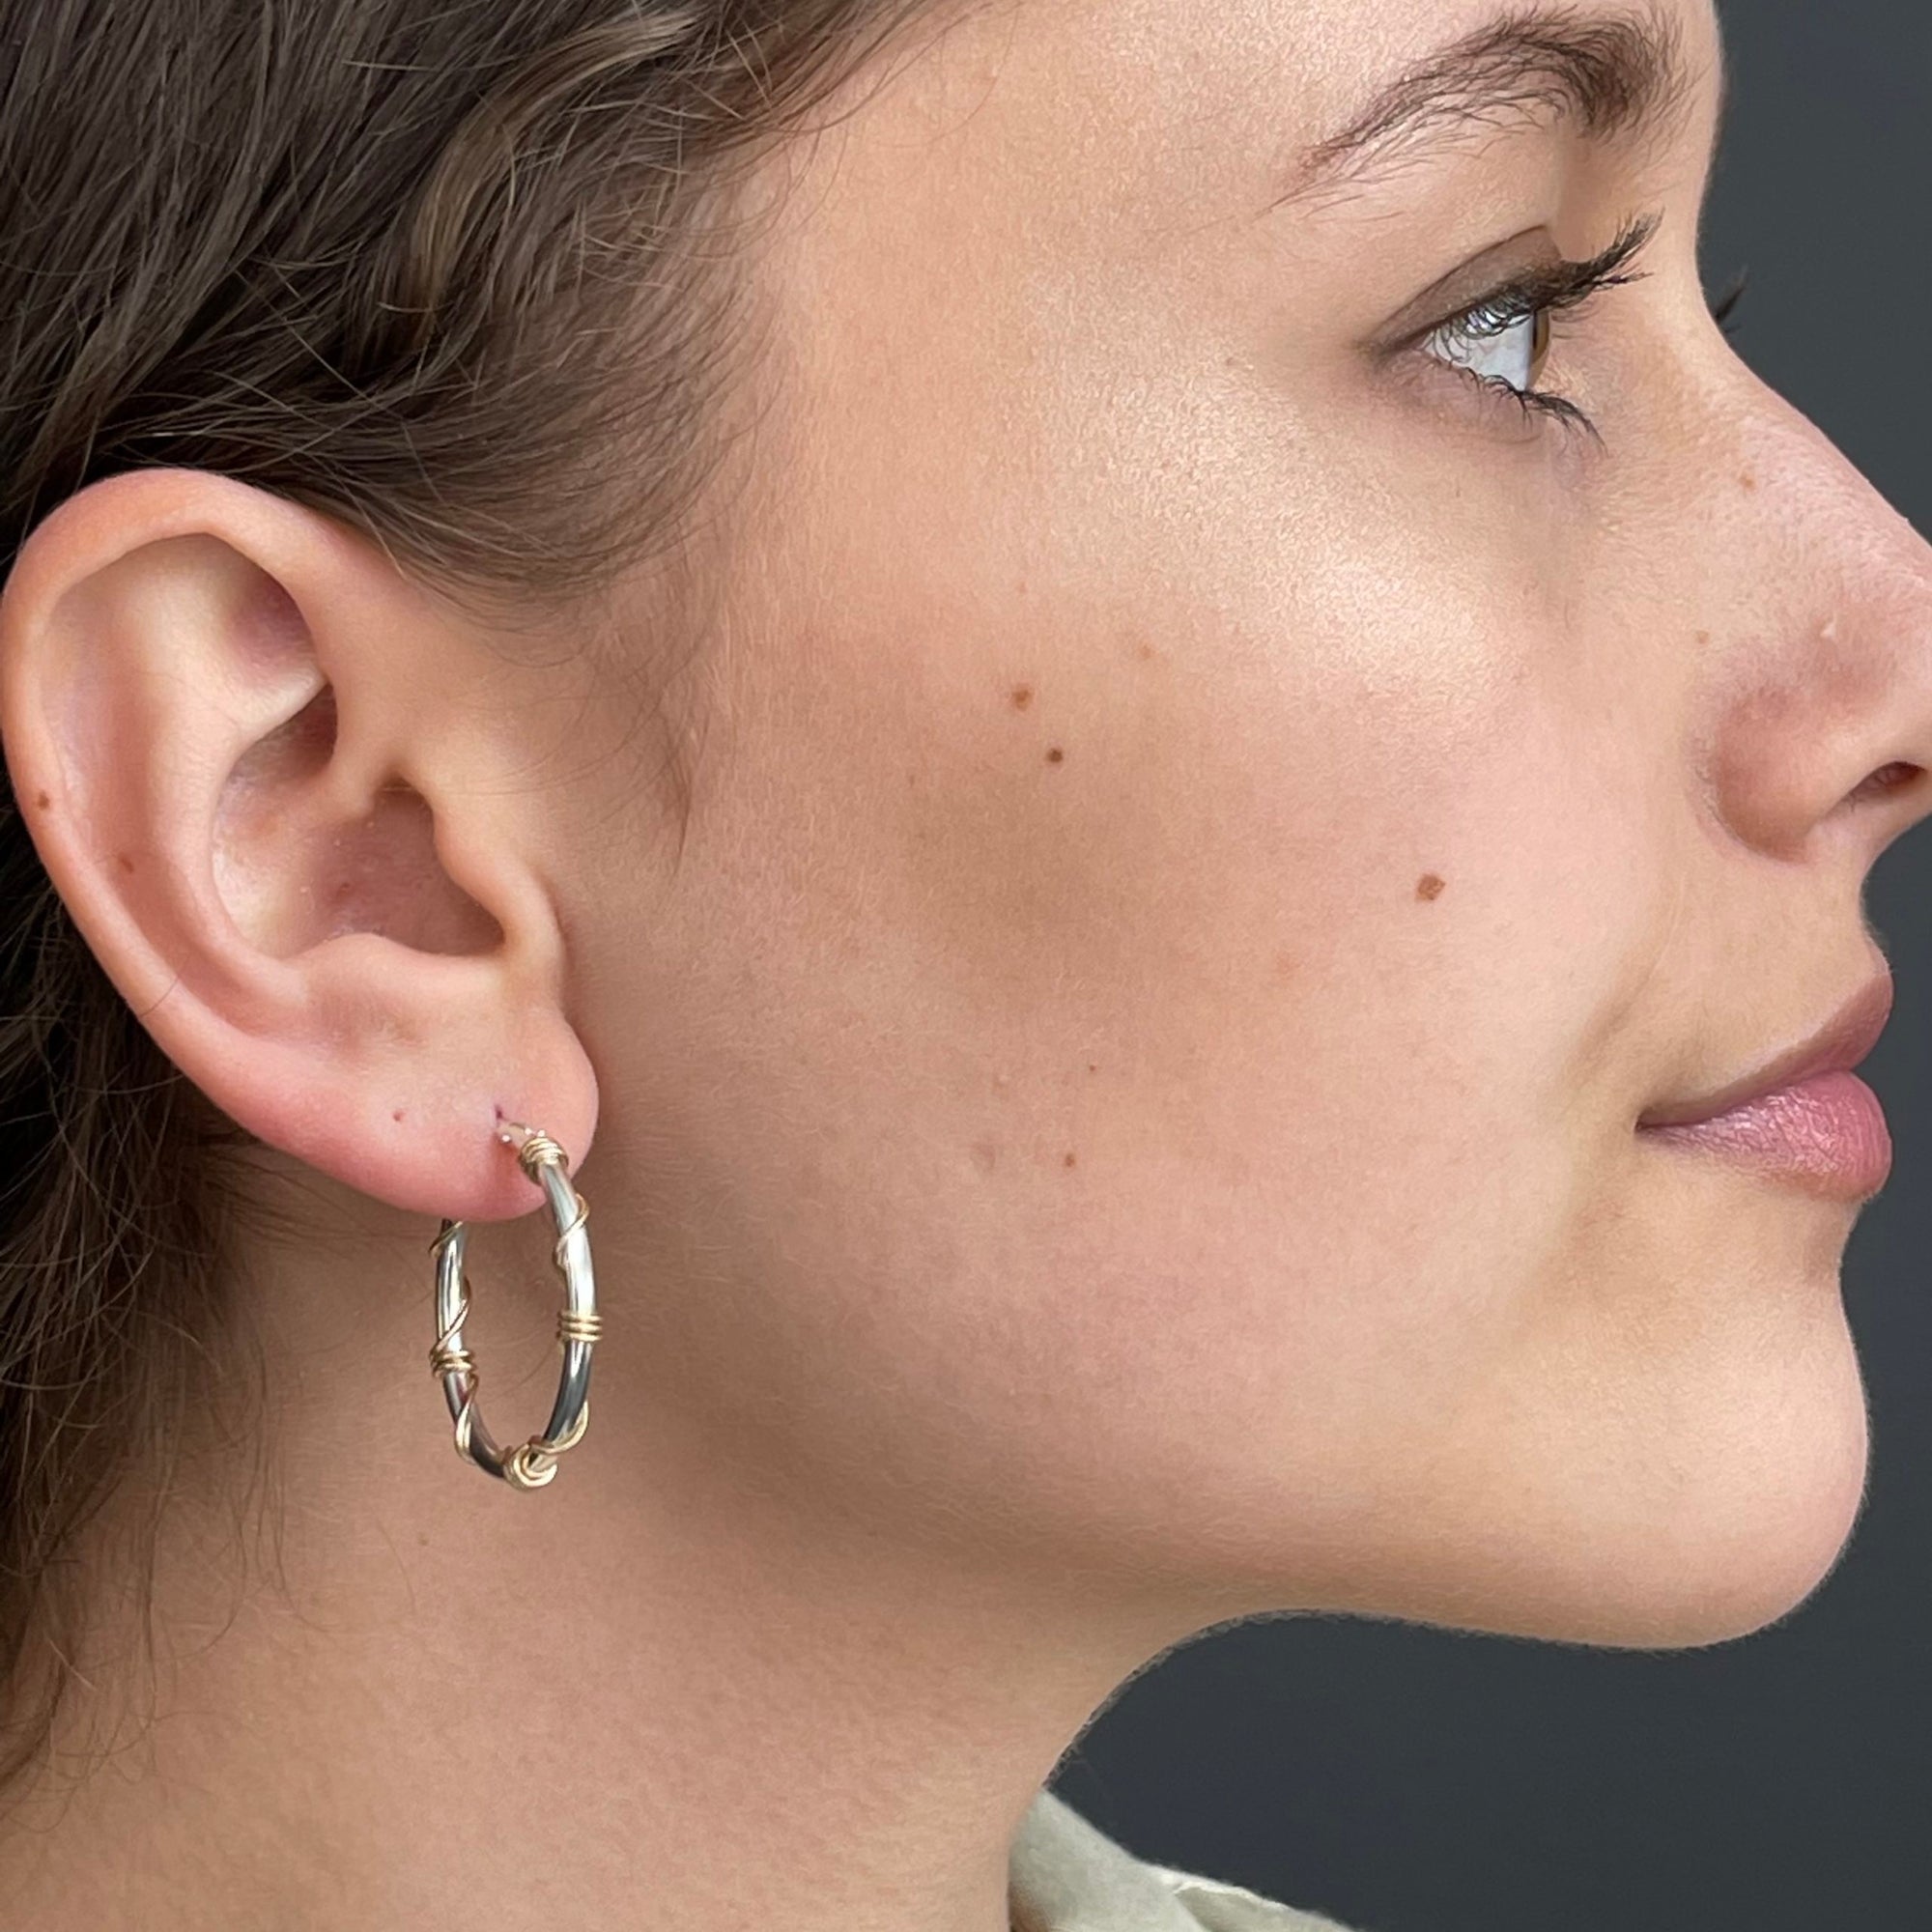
(570, 1437)
(527, 1468)
(447, 1357)
(579, 1325)
(532, 1463)
(535, 1149)
(577, 1221)
(538, 1150)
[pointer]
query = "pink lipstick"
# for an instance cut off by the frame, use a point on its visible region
(1806, 1118)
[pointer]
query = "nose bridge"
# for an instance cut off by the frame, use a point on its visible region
(1823, 690)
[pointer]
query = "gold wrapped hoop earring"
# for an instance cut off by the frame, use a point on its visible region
(531, 1464)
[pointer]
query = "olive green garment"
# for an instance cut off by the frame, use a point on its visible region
(1067, 1875)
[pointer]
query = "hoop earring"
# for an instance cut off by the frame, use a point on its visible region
(531, 1464)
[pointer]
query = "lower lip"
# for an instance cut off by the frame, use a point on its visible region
(1827, 1134)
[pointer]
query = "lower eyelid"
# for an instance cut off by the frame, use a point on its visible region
(1542, 416)
(1476, 401)
(1493, 392)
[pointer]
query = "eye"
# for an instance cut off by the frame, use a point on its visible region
(1496, 340)
(1502, 340)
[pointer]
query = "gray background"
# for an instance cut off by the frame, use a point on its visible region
(1415, 1780)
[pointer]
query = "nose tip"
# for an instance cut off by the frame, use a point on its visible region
(1825, 698)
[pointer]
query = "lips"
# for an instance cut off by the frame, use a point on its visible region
(1839, 1046)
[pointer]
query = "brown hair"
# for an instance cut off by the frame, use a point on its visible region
(450, 275)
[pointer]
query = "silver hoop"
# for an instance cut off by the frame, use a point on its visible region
(531, 1464)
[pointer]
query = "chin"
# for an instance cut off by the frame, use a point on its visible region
(1725, 1534)
(1714, 1464)
(1767, 1540)
(1641, 1515)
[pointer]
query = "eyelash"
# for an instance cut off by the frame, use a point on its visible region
(1559, 288)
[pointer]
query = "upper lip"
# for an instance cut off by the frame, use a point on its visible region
(1839, 1044)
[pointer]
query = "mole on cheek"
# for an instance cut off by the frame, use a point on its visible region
(1022, 697)
(1069, 1161)
(1428, 887)
(1746, 482)
(126, 863)
(42, 799)
(1054, 756)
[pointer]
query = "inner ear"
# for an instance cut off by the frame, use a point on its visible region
(293, 872)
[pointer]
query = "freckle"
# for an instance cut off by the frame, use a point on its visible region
(42, 799)
(1703, 637)
(1022, 697)
(397, 1114)
(1093, 1067)
(986, 1154)
(1054, 756)
(1747, 481)
(125, 863)
(1428, 887)
(1069, 1161)
(1284, 964)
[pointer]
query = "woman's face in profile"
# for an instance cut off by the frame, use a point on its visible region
(1279, 689)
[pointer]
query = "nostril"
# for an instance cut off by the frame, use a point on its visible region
(1887, 779)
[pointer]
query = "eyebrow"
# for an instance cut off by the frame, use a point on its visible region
(1610, 75)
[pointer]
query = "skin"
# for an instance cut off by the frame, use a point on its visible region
(1116, 1111)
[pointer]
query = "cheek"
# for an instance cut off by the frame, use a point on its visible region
(1331, 955)
(1192, 960)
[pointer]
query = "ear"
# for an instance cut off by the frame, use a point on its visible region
(276, 784)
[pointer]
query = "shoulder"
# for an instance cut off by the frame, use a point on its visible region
(1220, 1907)
(1069, 1876)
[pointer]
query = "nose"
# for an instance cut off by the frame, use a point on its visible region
(1819, 730)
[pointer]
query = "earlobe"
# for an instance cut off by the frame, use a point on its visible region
(238, 737)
